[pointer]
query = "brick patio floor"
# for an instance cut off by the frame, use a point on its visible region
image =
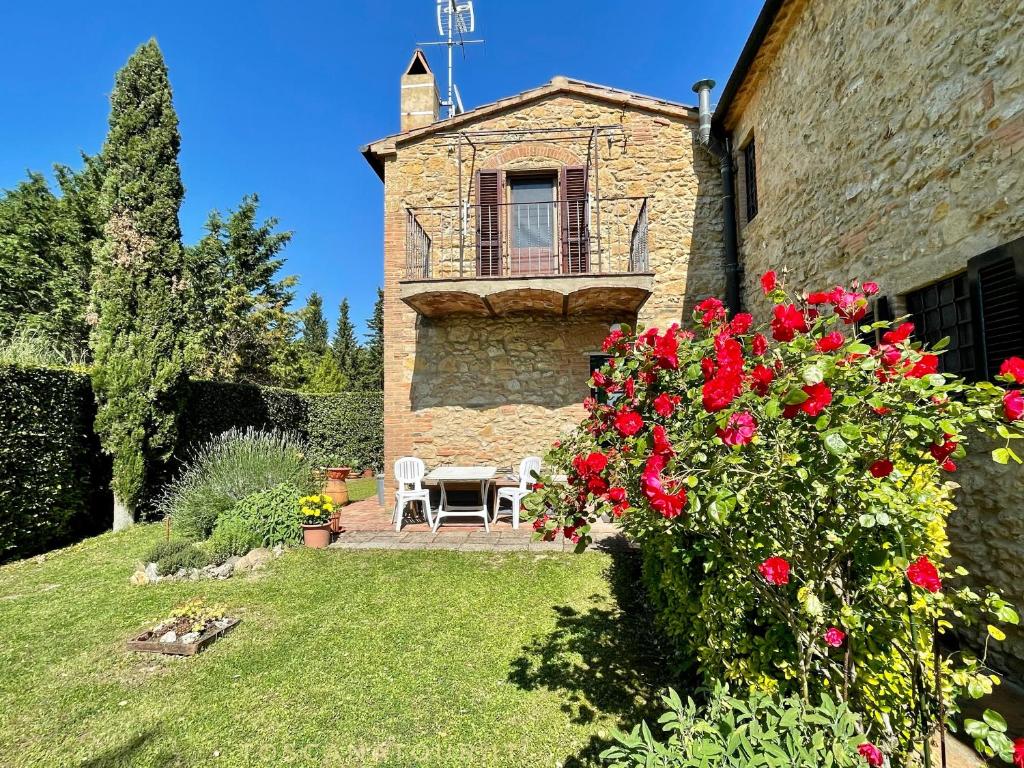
(368, 526)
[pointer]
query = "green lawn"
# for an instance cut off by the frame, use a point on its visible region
(343, 658)
(362, 488)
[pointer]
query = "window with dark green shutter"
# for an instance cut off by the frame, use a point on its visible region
(750, 178)
(997, 289)
(944, 309)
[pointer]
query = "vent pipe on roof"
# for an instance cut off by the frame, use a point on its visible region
(703, 90)
(718, 146)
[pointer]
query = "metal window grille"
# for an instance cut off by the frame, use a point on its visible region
(944, 309)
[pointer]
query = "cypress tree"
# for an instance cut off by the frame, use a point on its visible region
(344, 345)
(371, 367)
(138, 290)
(314, 328)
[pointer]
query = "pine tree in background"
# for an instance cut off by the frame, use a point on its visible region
(326, 377)
(138, 287)
(344, 344)
(314, 332)
(371, 368)
(240, 328)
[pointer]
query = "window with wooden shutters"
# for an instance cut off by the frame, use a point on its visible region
(488, 223)
(575, 234)
(750, 178)
(997, 288)
(944, 309)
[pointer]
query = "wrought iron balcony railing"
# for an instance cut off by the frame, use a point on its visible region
(560, 237)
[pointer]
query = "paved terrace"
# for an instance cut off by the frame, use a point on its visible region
(369, 526)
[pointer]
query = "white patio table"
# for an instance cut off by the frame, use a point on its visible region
(482, 475)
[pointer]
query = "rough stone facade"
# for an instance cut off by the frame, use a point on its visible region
(492, 390)
(890, 145)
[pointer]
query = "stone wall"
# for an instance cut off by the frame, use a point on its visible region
(890, 145)
(477, 390)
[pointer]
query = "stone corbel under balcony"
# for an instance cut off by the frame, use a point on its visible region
(548, 295)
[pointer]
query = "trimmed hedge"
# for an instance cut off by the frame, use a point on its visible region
(343, 429)
(54, 479)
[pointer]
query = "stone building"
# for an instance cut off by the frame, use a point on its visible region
(861, 140)
(515, 235)
(886, 141)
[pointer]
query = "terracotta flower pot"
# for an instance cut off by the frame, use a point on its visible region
(316, 536)
(338, 473)
(367, 473)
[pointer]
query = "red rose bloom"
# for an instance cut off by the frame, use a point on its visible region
(662, 500)
(617, 494)
(818, 397)
(926, 365)
(1013, 405)
(788, 321)
(848, 305)
(739, 430)
(662, 446)
(741, 323)
(665, 403)
(666, 349)
(1018, 753)
(871, 753)
(881, 468)
(891, 356)
(835, 637)
(942, 451)
(1014, 367)
(870, 288)
(921, 573)
(775, 570)
(711, 309)
(830, 342)
(612, 340)
(760, 344)
(761, 377)
(817, 298)
(898, 336)
(598, 378)
(597, 485)
(628, 423)
(720, 390)
(596, 462)
(707, 367)
(630, 387)
(768, 281)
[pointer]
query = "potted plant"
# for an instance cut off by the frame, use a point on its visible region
(338, 473)
(316, 526)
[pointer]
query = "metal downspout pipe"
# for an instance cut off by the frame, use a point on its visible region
(719, 147)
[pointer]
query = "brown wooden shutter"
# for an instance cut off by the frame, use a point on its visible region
(997, 294)
(575, 236)
(489, 212)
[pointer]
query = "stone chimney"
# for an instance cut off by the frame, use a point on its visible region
(420, 103)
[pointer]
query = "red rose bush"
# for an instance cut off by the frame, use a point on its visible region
(789, 484)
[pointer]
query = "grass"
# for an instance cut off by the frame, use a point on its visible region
(377, 658)
(362, 488)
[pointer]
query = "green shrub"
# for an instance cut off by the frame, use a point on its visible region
(762, 731)
(346, 429)
(273, 515)
(233, 535)
(227, 469)
(189, 557)
(163, 549)
(53, 475)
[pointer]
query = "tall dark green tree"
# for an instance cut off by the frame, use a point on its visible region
(46, 245)
(314, 328)
(139, 287)
(371, 368)
(344, 344)
(240, 328)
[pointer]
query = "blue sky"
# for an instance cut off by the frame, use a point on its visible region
(277, 97)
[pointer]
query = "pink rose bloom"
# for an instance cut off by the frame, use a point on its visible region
(739, 430)
(1013, 405)
(835, 637)
(871, 753)
(775, 570)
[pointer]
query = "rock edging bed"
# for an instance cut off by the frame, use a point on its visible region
(165, 639)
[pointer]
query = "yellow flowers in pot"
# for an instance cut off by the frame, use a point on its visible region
(316, 509)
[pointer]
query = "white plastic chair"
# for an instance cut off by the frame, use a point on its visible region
(514, 496)
(409, 471)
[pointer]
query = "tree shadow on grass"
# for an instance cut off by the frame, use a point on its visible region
(127, 754)
(606, 659)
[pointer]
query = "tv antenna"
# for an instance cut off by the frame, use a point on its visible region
(455, 20)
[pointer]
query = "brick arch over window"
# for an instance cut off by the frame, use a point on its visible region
(559, 155)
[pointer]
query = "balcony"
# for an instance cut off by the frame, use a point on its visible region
(557, 257)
